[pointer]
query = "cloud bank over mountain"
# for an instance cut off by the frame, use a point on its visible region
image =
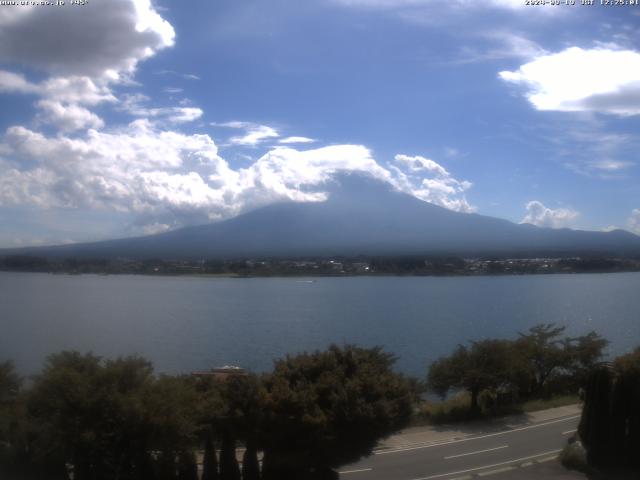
(165, 177)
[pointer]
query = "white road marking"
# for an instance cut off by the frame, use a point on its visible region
(569, 431)
(547, 459)
(504, 432)
(496, 471)
(475, 453)
(355, 471)
(488, 466)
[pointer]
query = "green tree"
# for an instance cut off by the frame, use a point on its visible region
(543, 356)
(584, 353)
(10, 384)
(11, 419)
(542, 353)
(328, 408)
(483, 365)
(106, 418)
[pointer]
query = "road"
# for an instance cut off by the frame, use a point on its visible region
(478, 455)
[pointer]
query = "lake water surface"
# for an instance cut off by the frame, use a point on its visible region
(191, 323)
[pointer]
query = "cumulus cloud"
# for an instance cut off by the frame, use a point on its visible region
(63, 99)
(100, 39)
(85, 51)
(15, 83)
(598, 80)
(169, 178)
(431, 182)
(634, 221)
(538, 214)
(68, 117)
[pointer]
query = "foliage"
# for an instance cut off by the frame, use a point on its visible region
(543, 356)
(483, 365)
(328, 408)
(541, 352)
(450, 410)
(539, 363)
(106, 418)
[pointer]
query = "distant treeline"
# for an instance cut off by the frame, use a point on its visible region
(117, 419)
(335, 266)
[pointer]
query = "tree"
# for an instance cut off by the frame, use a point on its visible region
(543, 352)
(483, 365)
(583, 354)
(610, 423)
(10, 384)
(543, 355)
(11, 418)
(328, 408)
(106, 418)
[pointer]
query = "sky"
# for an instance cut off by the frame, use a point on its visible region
(130, 117)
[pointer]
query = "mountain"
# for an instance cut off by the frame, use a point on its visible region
(361, 216)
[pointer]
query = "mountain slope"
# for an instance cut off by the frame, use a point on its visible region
(375, 221)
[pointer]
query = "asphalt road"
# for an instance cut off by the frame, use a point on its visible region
(479, 455)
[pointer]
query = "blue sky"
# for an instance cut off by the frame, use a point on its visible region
(126, 117)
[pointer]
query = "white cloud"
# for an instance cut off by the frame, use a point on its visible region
(599, 80)
(538, 214)
(76, 89)
(72, 89)
(254, 135)
(101, 39)
(431, 182)
(69, 117)
(292, 140)
(135, 105)
(167, 178)
(418, 163)
(634, 221)
(85, 50)
(15, 83)
(184, 114)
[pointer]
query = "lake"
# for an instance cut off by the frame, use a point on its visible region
(192, 323)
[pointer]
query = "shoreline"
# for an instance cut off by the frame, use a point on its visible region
(321, 275)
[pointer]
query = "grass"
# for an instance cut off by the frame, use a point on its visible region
(456, 409)
(543, 404)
